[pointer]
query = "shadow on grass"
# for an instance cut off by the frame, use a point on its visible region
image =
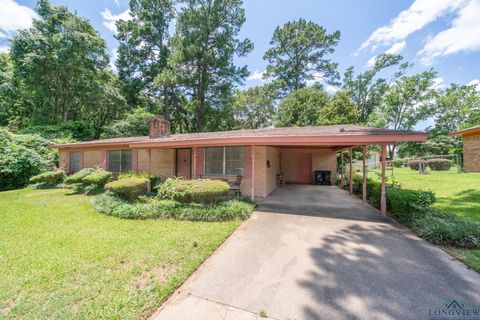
(465, 203)
(85, 190)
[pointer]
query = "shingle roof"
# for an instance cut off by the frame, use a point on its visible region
(318, 131)
(125, 140)
(333, 130)
(468, 131)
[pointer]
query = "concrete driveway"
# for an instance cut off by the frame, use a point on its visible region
(313, 252)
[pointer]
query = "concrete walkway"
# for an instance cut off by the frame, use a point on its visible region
(314, 252)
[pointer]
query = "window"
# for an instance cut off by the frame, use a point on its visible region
(74, 162)
(224, 161)
(119, 160)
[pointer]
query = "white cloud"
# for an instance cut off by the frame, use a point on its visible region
(439, 83)
(113, 59)
(371, 61)
(397, 47)
(256, 76)
(4, 49)
(418, 15)
(475, 82)
(394, 49)
(14, 17)
(110, 19)
(331, 89)
(463, 35)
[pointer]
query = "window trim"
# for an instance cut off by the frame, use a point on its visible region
(224, 162)
(121, 152)
(70, 161)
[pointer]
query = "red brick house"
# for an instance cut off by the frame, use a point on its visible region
(471, 148)
(258, 155)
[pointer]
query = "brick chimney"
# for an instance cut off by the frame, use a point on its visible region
(158, 127)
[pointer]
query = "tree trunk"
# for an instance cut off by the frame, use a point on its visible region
(166, 104)
(201, 101)
(391, 150)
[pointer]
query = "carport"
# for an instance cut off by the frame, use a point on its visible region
(301, 156)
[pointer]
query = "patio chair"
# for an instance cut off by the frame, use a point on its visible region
(235, 186)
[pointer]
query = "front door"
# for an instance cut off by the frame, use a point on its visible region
(184, 163)
(304, 168)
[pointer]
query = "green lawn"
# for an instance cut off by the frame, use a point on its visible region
(456, 193)
(59, 259)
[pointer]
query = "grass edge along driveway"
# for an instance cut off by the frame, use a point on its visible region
(456, 193)
(61, 259)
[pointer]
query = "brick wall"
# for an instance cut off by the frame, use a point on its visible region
(273, 158)
(471, 153)
(63, 160)
(265, 179)
(93, 158)
(322, 159)
(162, 162)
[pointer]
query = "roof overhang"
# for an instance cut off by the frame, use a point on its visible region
(340, 140)
(466, 132)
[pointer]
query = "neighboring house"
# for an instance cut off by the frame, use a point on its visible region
(258, 155)
(373, 161)
(471, 148)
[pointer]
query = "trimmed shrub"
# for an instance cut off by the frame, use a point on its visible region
(439, 164)
(154, 180)
(51, 177)
(198, 191)
(98, 178)
(407, 205)
(398, 163)
(128, 188)
(110, 204)
(415, 164)
(446, 229)
(78, 176)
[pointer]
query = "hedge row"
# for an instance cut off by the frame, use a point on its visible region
(434, 164)
(128, 188)
(110, 204)
(50, 177)
(413, 208)
(197, 191)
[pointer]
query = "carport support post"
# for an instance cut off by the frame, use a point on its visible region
(364, 182)
(340, 183)
(252, 153)
(383, 198)
(351, 171)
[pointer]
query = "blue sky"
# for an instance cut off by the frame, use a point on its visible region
(443, 34)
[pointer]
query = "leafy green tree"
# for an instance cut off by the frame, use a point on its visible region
(339, 110)
(367, 89)
(143, 52)
(409, 100)
(203, 47)
(134, 124)
(253, 108)
(9, 93)
(299, 54)
(57, 61)
(21, 157)
(436, 144)
(457, 106)
(301, 108)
